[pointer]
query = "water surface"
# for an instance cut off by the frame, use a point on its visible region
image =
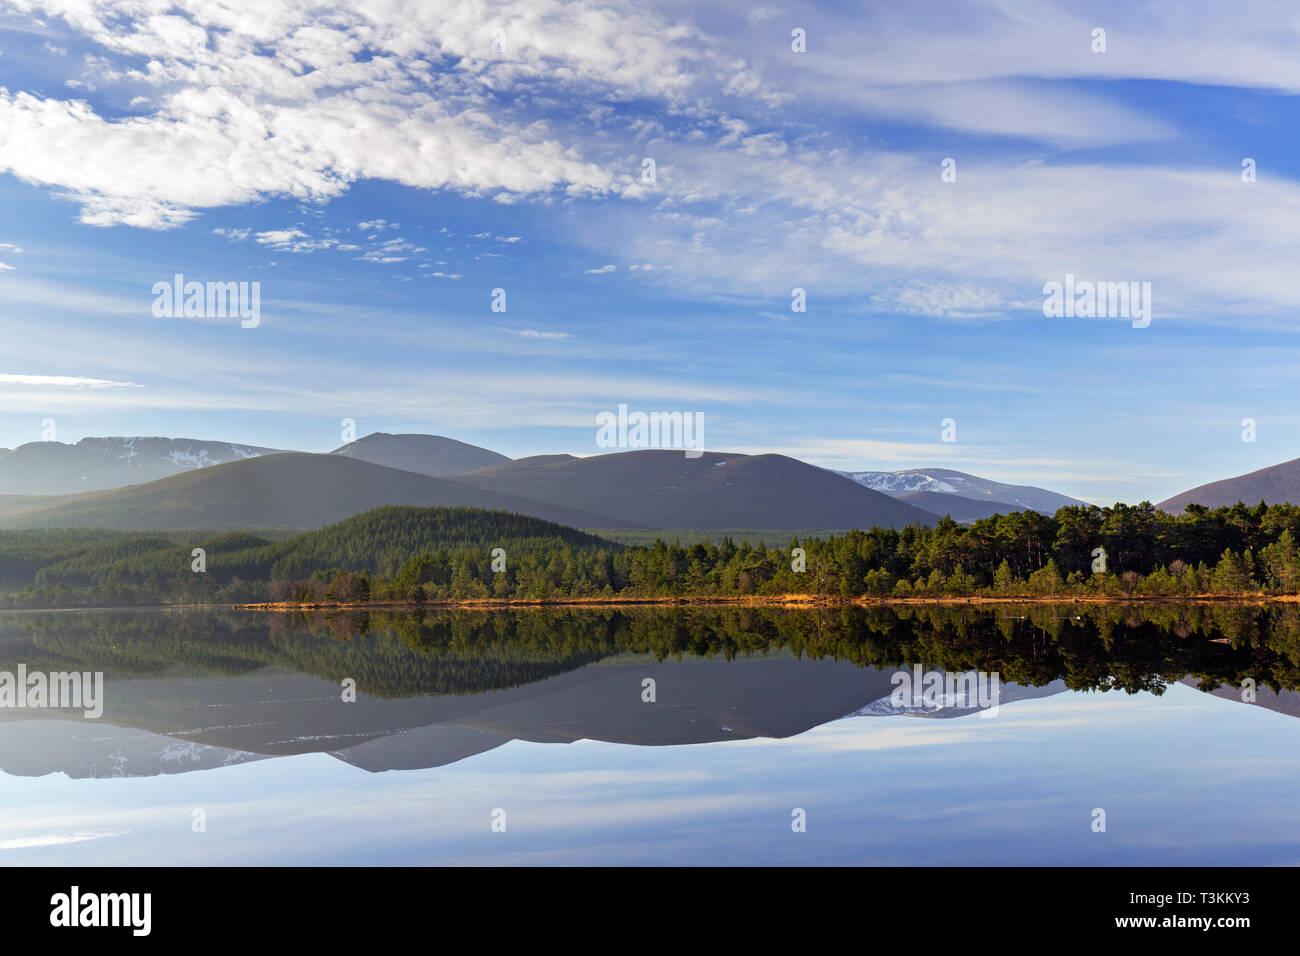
(537, 721)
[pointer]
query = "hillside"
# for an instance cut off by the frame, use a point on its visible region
(382, 540)
(425, 454)
(293, 490)
(1274, 485)
(959, 507)
(665, 489)
(378, 541)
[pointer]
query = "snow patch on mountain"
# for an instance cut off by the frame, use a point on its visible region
(901, 483)
(947, 482)
(184, 454)
(205, 456)
(957, 704)
(945, 705)
(111, 462)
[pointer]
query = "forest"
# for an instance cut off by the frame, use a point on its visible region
(424, 555)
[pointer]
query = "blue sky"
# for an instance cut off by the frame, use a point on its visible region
(380, 168)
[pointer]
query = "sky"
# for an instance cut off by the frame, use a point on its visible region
(920, 171)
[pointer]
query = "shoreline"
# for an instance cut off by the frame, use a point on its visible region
(781, 600)
(792, 601)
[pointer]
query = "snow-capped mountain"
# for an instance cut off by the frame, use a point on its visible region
(900, 484)
(98, 464)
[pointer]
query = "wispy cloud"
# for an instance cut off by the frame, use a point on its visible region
(62, 381)
(536, 334)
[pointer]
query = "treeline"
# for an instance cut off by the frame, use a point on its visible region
(418, 555)
(1127, 550)
(75, 567)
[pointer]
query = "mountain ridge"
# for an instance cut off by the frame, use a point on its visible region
(1274, 484)
(102, 464)
(434, 455)
(646, 488)
(287, 490)
(664, 489)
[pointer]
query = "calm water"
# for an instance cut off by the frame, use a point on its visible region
(536, 722)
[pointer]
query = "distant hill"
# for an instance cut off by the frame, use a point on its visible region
(1275, 485)
(293, 490)
(425, 454)
(944, 481)
(378, 541)
(95, 464)
(665, 489)
(384, 539)
(962, 509)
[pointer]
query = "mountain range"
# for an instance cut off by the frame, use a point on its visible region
(713, 700)
(151, 483)
(287, 490)
(664, 489)
(102, 464)
(640, 489)
(96, 464)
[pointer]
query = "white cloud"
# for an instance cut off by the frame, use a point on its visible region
(62, 381)
(603, 270)
(763, 14)
(55, 839)
(293, 240)
(837, 224)
(256, 102)
(535, 334)
(950, 300)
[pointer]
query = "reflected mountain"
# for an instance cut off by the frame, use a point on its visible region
(201, 689)
(950, 706)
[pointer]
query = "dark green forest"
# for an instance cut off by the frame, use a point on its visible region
(404, 554)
